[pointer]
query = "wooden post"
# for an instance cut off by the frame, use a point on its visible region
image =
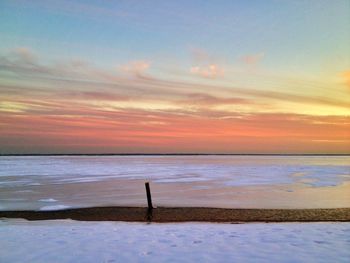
(149, 198)
(149, 202)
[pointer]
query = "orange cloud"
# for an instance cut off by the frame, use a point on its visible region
(74, 127)
(346, 77)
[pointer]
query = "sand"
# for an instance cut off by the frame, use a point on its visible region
(185, 214)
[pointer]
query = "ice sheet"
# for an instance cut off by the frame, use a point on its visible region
(221, 181)
(232, 170)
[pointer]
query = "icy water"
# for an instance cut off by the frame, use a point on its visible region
(56, 182)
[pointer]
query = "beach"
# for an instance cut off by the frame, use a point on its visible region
(72, 241)
(185, 214)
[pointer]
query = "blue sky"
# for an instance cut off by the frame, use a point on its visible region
(292, 34)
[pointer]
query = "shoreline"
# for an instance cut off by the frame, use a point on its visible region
(172, 154)
(185, 214)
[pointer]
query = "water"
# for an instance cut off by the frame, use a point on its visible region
(56, 182)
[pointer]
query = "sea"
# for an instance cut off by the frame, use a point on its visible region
(228, 181)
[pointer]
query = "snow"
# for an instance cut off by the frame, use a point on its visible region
(47, 200)
(54, 207)
(73, 241)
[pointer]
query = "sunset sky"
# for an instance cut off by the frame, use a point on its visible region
(174, 76)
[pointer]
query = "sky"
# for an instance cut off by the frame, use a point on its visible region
(174, 76)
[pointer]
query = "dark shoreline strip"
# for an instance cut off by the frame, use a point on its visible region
(173, 154)
(186, 214)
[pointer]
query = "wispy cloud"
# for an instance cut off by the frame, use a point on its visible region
(78, 128)
(206, 100)
(24, 55)
(209, 71)
(205, 65)
(93, 95)
(81, 80)
(200, 56)
(138, 67)
(253, 59)
(15, 107)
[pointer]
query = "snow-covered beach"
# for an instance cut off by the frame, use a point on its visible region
(72, 241)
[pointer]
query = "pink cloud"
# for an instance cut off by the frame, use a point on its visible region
(209, 100)
(253, 59)
(79, 128)
(205, 65)
(209, 71)
(137, 67)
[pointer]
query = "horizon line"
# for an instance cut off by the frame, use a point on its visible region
(174, 154)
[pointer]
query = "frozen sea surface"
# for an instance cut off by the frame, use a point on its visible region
(53, 182)
(72, 241)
